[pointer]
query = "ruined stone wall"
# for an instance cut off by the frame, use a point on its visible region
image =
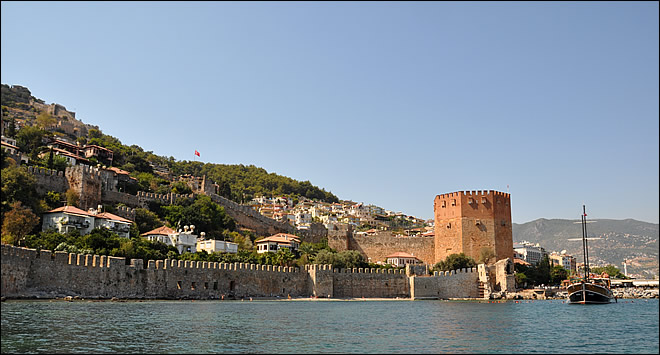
(463, 283)
(126, 212)
(115, 197)
(249, 218)
(86, 182)
(49, 180)
(314, 234)
(377, 247)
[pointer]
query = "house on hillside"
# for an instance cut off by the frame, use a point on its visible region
(402, 259)
(103, 155)
(183, 241)
(212, 246)
(11, 148)
(69, 218)
(276, 242)
(71, 159)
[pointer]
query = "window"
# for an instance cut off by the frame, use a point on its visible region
(453, 202)
(444, 204)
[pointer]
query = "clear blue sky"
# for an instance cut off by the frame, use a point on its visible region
(386, 103)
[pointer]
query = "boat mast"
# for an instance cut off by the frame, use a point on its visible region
(585, 244)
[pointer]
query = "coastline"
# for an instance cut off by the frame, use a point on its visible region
(633, 295)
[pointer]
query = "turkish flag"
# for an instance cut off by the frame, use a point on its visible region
(197, 153)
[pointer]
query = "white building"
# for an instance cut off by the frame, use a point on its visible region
(276, 242)
(402, 259)
(303, 218)
(564, 260)
(67, 218)
(329, 218)
(183, 241)
(531, 253)
(212, 246)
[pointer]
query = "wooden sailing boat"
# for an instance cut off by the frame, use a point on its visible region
(589, 289)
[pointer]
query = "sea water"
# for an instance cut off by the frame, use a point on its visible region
(336, 326)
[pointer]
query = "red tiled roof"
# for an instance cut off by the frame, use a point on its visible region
(114, 217)
(10, 145)
(520, 261)
(69, 154)
(119, 171)
(164, 230)
(281, 238)
(70, 209)
(401, 254)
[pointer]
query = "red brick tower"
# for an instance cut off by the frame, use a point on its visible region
(473, 223)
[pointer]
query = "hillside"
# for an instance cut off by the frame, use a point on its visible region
(154, 173)
(627, 239)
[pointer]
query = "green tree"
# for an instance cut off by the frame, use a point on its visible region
(146, 220)
(283, 257)
(325, 257)
(558, 274)
(19, 185)
(11, 128)
(53, 200)
(17, 223)
(244, 242)
(30, 139)
(53, 162)
(72, 197)
(350, 259)
(181, 187)
(611, 270)
(455, 262)
(521, 280)
(100, 240)
(45, 120)
(206, 215)
(543, 271)
(50, 239)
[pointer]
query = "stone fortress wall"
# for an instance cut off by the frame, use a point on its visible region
(95, 186)
(380, 245)
(44, 274)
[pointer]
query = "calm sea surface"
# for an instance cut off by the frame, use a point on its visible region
(328, 326)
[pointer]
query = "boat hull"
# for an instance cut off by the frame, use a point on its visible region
(588, 293)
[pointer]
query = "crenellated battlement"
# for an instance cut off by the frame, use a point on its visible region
(125, 212)
(44, 172)
(27, 272)
(473, 193)
(454, 272)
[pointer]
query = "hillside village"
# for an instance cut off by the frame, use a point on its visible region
(114, 189)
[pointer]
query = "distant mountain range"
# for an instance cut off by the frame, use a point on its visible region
(628, 239)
